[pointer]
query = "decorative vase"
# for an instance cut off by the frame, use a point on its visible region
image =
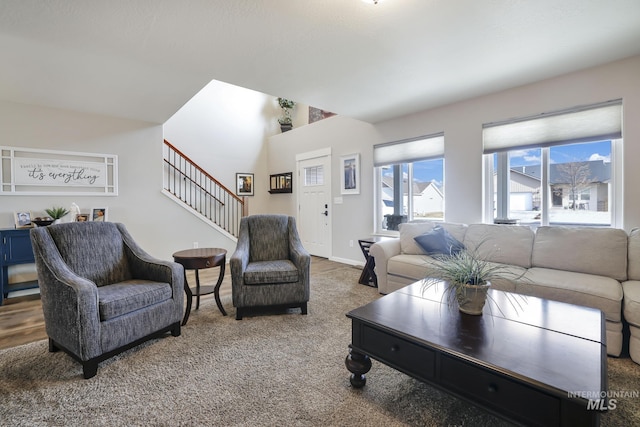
(471, 298)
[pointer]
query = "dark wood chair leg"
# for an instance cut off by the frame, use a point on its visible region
(238, 313)
(89, 368)
(175, 331)
(52, 346)
(303, 308)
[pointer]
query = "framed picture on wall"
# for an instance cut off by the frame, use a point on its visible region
(350, 174)
(244, 184)
(99, 214)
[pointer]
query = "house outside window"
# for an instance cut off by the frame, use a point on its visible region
(570, 178)
(409, 178)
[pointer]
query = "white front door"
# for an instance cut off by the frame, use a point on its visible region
(314, 202)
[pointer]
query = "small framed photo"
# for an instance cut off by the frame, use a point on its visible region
(23, 219)
(350, 174)
(244, 184)
(99, 214)
(82, 217)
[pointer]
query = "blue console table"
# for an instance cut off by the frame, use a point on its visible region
(15, 248)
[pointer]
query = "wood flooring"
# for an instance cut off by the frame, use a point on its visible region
(22, 321)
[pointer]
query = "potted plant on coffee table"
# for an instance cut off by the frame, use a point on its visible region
(467, 276)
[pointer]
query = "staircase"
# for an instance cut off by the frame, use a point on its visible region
(190, 185)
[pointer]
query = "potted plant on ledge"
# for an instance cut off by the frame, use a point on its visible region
(285, 120)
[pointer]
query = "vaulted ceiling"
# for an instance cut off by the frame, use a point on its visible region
(143, 59)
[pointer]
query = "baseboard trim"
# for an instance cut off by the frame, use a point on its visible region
(347, 261)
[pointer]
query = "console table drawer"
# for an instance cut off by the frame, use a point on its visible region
(399, 353)
(520, 401)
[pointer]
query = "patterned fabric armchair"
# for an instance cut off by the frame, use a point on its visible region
(269, 266)
(101, 293)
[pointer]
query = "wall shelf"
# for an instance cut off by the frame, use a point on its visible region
(281, 183)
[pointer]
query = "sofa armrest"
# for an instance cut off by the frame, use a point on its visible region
(381, 252)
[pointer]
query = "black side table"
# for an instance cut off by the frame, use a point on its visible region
(368, 276)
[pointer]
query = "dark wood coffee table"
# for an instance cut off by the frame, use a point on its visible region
(538, 364)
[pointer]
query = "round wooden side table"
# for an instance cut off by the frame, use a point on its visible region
(197, 259)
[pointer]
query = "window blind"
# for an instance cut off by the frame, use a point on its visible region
(409, 150)
(589, 123)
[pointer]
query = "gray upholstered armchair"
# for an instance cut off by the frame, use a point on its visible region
(101, 293)
(269, 266)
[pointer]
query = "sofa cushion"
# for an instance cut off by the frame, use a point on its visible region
(270, 272)
(631, 305)
(634, 254)
(588, 290)
(126, 297)
(408, 232)
(505, 244)
(599, 251)
(409, 266)
(438, 241)
(509, 275)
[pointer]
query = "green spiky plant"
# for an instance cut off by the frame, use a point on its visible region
(56, 212)
(465, 273)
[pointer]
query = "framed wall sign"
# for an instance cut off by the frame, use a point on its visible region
(27, 171)
(350, 174)
(244, 184)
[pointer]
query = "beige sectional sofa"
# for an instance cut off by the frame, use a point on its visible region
(593, 267)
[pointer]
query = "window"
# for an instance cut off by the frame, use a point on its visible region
(409, 181)
(556, 169)
(313, 176)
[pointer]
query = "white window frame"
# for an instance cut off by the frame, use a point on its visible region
(377, 180)
(502, 195)
(580, 124)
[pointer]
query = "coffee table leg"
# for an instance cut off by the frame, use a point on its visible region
(358, 364)
(216, 290)
(187, 290)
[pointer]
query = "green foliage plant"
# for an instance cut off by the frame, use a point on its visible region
(467, 271)
(286, 105)
(56, 212)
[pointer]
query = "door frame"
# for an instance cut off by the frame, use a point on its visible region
(323, 152)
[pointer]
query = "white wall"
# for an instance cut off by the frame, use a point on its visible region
(224, 129)
(224, 137)
(239, 142)
(353, 218)
(159, 225)
(462, 125)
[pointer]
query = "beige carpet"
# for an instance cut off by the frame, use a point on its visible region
(275, 370)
